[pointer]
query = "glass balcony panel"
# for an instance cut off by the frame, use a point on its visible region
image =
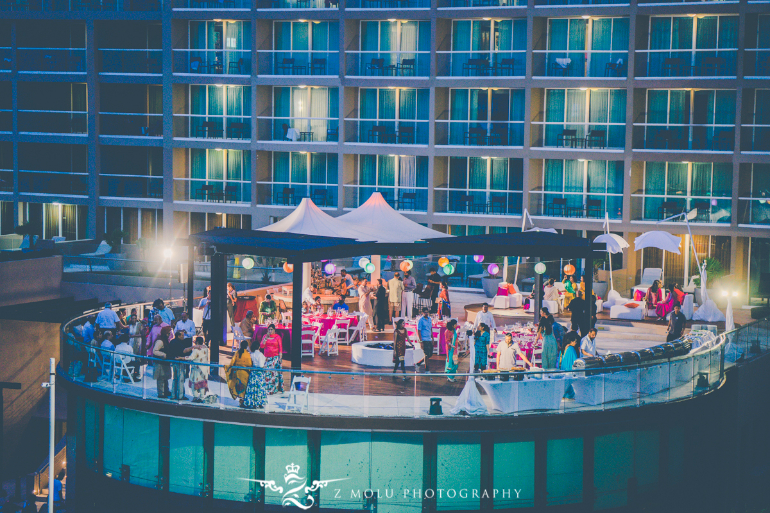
(214, 5)
(755, 138)
(578, 204)
(53, 182)
(298, 129)
(51, 60)
(131, 186)
(130, 62)
(688, 137)
(6, 60)
(386, 131)
(387, 4)
(52, 122)
(388, 64)
(462, 201)
(473, 133)
(291, 194)
(757, 63)
(212, 127)
(754, 211)
(579, 135)
(580, 2)
(299, 4)
(580, 64)
(148, 125)
(81, 5)
(303, 63)
(6, 120)
(448, 4)
(481, 64)
(6, 180)
(704, 209)
(686, 63)
(217, 191)
(212, 62)
(400, 198)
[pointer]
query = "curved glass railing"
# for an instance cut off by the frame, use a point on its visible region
(383, 394)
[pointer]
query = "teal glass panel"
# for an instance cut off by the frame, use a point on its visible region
(234, 461)
(281, 166)
(397, 464)
(91, 419)
(284, 447)
(647, 461)
(345, 455)
(458, 461)
(613, 466)
(514, 472)
(131, 439)
(564, 471)
(113, 441)
(185, 456)
(677, 440)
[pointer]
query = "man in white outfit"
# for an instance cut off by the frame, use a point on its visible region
(407, 297)
(486, 317)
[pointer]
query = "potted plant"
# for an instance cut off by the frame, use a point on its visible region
(490, 282)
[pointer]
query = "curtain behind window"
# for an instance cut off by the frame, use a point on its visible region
(461, 36)
(281, 166)
(368, 106)
(234, 100)
(387, 170)
(197, 163)
(407, 108)
(458, 173)
(318, 168)
(319, 108)
(722, 182)
(676, 182)
(299, 36)
(553, 176)
(282, 35)
(701, 179)
(558, 34)
(706, 33)
(409, 38)
(477, 173)
(370, 36)
(321, 36)
(499, 178)
(407, 171)
(728, 32)
(681, 33)
(298, 167)
(368, 171)
(215, 100)
(216, 165)
(660, 33)
(597, 176)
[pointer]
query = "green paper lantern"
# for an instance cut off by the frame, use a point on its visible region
(540, 268)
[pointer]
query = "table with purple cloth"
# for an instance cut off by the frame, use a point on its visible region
(327, 321)
(411, 329)
(280, 329)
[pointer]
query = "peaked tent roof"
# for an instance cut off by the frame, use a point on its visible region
(308, 219)
(383, 224)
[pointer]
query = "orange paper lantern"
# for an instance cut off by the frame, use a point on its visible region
(443, 261)
(569, 269)
(287, 267)
(404, 266)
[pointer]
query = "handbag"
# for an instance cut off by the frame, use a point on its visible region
(455, 358)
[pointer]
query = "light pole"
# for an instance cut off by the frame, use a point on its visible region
(168, 253)
(51, 386)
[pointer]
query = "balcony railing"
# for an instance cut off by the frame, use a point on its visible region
(130, 124)
(131, 186)
(756, 62)
(201, 126)
(462, 201)
(407, 199)
(388, 64)
(705, 209)
(291, 194)
(387, 4)
(484, 4)
(675, 2)
(754, 211)
(591, 136)
(299, 63)
(299, 4)
(577, 204)
(6, 59)
(80, 5)
(53, 182)
(53, 122)
(684, 137)
(298, 129)
(481, 64)
(6, 180)
(476, 133)
(212, 62)
(688, 63)
(51, 60)
(580, 64)
(386, 131)
(755, 138)
(217, 191)
(577, 3)
(6, 120)
(212, 5)
(131, 61)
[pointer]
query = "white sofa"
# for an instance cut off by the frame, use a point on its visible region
(620, 311)
(649, 275)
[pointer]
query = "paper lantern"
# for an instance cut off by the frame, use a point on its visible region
(362, 263)
(403, 266)
(448, 269)
(713, 203)
(443, 261)
(409, 265)
(330, 268)
(540, 268)
(248, 263)
(493, 269)
(569, 269)
(478, 258)
(369, 268)
(287, 267)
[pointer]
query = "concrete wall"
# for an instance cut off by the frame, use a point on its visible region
(34, 279)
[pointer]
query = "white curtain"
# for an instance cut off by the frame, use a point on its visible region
(319, 108)
(408, 37)
(407, 172)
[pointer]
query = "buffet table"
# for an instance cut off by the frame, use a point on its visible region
(379, 354)
(528, 394)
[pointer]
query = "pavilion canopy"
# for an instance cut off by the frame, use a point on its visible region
(308, 219)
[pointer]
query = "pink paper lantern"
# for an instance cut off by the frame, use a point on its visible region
(330, 268)
(478, 258)
(493, 269)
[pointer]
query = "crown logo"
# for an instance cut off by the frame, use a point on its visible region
(292, 469)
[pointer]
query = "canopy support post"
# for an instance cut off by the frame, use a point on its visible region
(296, 316)
(190, 279)
(307, 275)
(376, 260)
(588, 273)
(538, 294)
(218, 331)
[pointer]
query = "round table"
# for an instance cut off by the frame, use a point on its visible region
(362, 354)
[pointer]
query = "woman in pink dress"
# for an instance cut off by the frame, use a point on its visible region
(155, 330)
(652, 298)
(675, 297)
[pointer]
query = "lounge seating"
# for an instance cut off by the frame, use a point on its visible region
(626, 313)
(649, 275)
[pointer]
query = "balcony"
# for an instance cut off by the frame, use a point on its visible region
(80, 5)
(131, 186)
(291, 194)
(754, 211)
(201, 126)
(607, 64)
(212, 62)
(299, 63)
(53, 122)
(463, 201)
(6, 180)
(578, 3)
(474, 133)
(387, 4)
(53, 182)
(587, 136)
(388, 64)
(6, 59)
(130, 61)
(481, 64)
(757, 63)
(755, 138)
(483, 4)
(575, 205)
(385, 131)
(406, 199)
(51, 60)
(212, 191)
(704, 209)
(684, 137)
(6, 121)
(298, 129)
(131, 124)
(686, 64)
(299, 4)
(212, 5)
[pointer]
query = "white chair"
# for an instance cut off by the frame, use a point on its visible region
(688, 306)
(649, 275)
(344, 326)
(238, 336)
(286, 318)
(318, 326)
(537, 357)
(123, 369)
(308, 342)
(360, 330)
(107, 364)
(197, 318)
(332, 343)
(501, 302)
(299, 398)
(553, 306)
(436, 332)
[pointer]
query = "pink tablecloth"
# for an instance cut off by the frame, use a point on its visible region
(526, 342)
(411, 329)
(327, 321)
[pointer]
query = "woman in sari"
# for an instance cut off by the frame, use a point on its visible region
(399, 347)
(256, 390)
(445, 306)
(569, 289)
(571, 351)
(237, 379)
(481, 348)
(198, 381)
(162, 372)
(272, 347)
(450, 336)
(550, 347)
(653, 295)
(675, 297)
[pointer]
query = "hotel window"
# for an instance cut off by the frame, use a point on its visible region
(673, 187)
(584, 47)
(755, 206)
(305, 48)
(197, 222)
(756, 135)
(501, 43)
(401, 179)
(139, 223)
(579, 118)
(480, 117)
(393, 115)
(56, 219)
(758, 58)
(305, 113)
(215, 110)
(394, 48)
(7, 224)
(297, 175)
(580, 188)
(481, 185)
(216, 47)
(216, 175)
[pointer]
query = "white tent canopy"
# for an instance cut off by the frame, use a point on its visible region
(308, 219)
(383, 224)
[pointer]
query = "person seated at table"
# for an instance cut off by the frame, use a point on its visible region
(125, 348)
(107, 342)
(305, 308)
(340, 306)
(550, 292)
(88, 329)
(481, 348)
(675, 297)
(317, 305)
(247, 325)
(237, 379)
(506, 354)
(267, 309)
(569, 289)
(272, 347)
(652, 297)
